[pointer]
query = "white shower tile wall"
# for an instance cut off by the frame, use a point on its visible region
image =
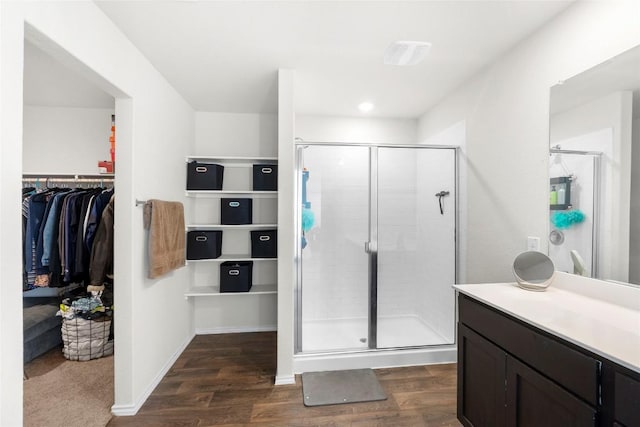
(436, 268)
(398, 240)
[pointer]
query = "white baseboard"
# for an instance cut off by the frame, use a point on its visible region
(129, 410)
(125, 410)
(235, 329)
(285, 379)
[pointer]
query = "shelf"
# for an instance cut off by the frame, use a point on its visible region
(229, 161)
(225, 193)
(214, 291)
(233, 257)
(231, 227)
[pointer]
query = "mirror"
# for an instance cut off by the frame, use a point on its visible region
(594, 171)
(533, 270)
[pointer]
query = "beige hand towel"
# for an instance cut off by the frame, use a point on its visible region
(165, 222)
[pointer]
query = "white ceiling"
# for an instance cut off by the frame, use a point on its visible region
(224, 55)
(47, 82)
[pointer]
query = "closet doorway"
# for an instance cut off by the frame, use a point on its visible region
(67, 126)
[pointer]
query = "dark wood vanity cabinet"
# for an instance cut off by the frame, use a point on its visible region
(621, 387)
(481, 380)
(513, 374)
(535, 400)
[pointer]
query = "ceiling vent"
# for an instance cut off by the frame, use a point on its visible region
(406, 52)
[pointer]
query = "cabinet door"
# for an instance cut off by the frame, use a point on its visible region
(533, 400)
(626, 408)
(481, 380)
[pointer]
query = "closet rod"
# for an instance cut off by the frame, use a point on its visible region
(68, 178)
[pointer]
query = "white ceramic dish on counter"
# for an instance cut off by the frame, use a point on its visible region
(533, 271)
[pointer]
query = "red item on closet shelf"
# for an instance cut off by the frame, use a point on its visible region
(105, 166)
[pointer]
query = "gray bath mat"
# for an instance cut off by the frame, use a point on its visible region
(335, 387)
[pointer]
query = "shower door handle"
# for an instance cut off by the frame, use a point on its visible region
(370, 247)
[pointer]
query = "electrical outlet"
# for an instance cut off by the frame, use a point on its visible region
(533, 243)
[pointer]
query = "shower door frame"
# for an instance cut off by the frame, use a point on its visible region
(370, 248)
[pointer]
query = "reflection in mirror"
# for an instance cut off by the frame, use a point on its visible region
(594, 171)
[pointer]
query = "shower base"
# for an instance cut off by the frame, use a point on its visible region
(402, 341)
(351, 334)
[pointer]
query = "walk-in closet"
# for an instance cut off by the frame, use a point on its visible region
(68, 198)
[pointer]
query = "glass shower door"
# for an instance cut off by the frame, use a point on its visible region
(416, 247)
(334, 265)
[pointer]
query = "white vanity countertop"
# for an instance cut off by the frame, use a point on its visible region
(600, 316)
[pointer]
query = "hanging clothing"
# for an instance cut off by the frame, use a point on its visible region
(95, 214)
(101, 263)
(57, 224)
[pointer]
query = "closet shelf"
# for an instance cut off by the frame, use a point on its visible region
(226, 193)
(225, 257)
(214, 291)
(231, 227)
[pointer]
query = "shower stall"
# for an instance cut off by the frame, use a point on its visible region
(377, 248)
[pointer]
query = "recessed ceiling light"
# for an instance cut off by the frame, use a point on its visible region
(365, 107)
(406, 52)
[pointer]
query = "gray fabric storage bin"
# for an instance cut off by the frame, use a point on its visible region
(204, 244)
(204, 176)
(236, 276)
(265, 177)
(236, 211)
(264, 244)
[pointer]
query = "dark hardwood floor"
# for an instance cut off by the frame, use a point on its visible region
(227, 380)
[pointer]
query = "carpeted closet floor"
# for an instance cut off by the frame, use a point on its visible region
(59, 392)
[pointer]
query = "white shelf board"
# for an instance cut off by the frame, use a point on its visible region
(225, 257)
(214, 291)
(235, 161)
(231, 227)
(223, 193)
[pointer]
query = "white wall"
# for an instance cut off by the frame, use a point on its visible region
(232, 134)
(634, 228)
(10, 222)
(613, 113)
(506, 110)
(287, 224)
(153, 321)
(65, 140)
(356, 129)
(229, 134)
